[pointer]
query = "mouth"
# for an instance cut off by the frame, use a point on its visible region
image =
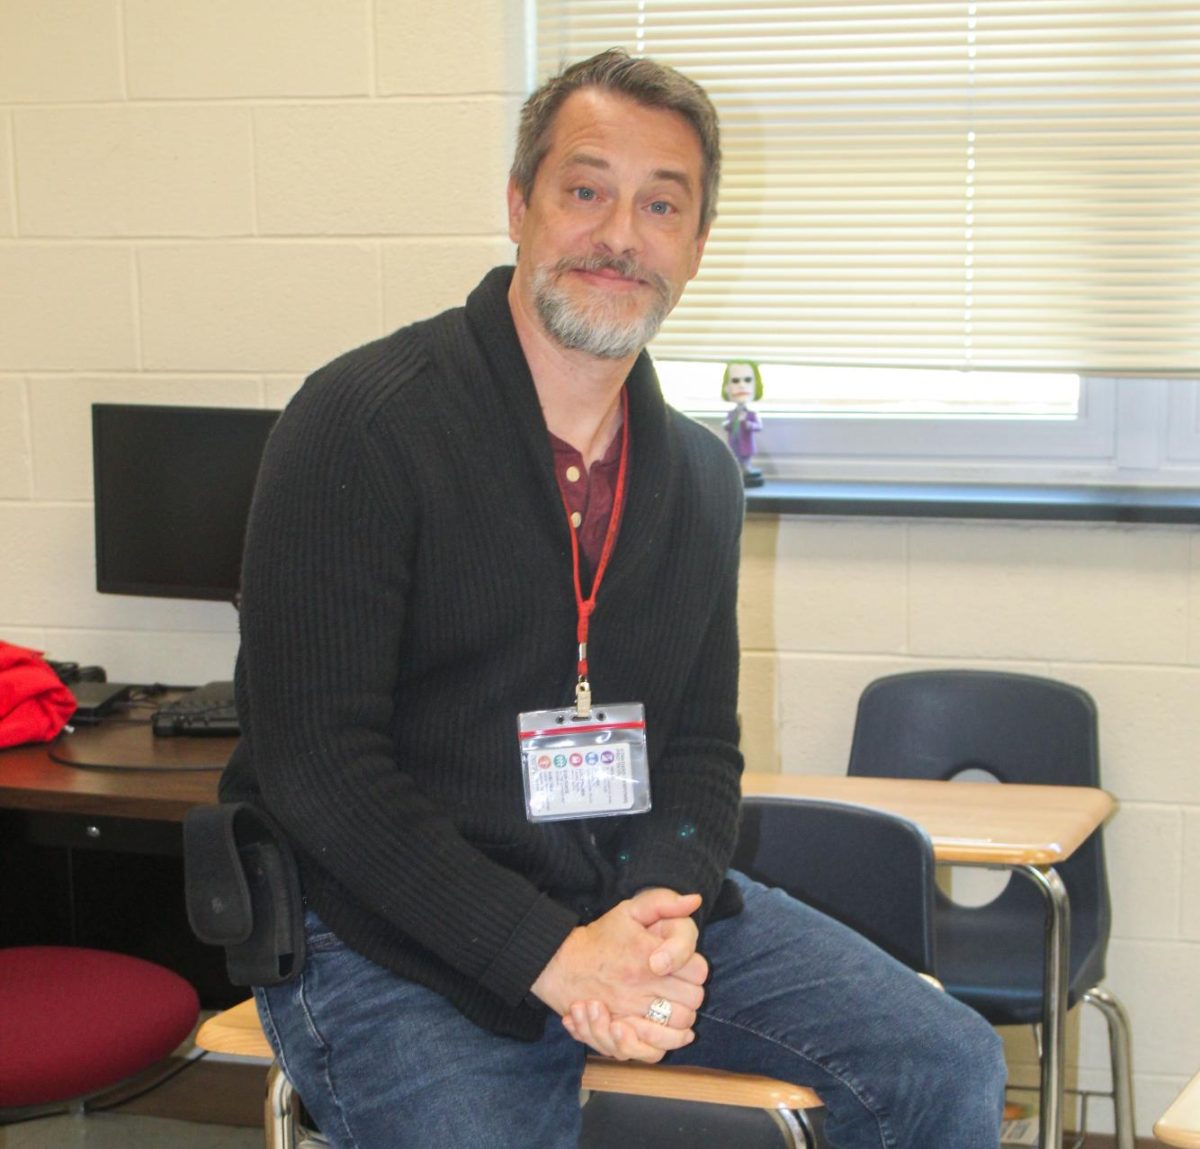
(610, 272)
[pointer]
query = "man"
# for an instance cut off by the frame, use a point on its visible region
(458, 529)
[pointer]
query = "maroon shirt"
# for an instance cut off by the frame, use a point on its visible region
(589, 494)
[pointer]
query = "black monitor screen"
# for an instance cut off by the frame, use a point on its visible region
(172, 489)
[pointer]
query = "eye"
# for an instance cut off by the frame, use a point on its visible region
(585, 194)
(661, 207)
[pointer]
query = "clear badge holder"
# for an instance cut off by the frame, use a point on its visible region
(588, 765)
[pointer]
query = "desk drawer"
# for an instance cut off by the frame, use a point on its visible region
(89, 832)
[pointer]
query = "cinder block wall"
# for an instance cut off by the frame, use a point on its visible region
(200, 202)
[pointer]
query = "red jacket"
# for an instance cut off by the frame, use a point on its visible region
(34, 704)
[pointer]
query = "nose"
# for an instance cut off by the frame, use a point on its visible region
(615, 232)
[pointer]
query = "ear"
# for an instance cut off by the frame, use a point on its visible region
(516, 211)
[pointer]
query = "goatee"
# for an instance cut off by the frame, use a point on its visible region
(599, 327)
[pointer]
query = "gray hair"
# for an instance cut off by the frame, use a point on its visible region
(648, 83)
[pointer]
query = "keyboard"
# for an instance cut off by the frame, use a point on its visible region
(207, 710)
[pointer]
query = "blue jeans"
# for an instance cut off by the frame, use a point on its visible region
(383, 1063)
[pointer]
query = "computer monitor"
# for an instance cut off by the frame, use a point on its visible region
(172, 490)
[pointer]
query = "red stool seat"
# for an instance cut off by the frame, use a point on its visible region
(75, 1021)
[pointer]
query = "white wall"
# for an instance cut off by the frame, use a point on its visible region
(200, 202)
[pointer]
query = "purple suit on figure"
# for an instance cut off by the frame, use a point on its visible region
(743, 384)
(741, 425)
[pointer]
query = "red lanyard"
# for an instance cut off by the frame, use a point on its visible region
(585, 606)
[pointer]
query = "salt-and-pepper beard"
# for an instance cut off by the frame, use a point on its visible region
(597, 327)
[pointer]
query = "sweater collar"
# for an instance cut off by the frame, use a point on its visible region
(651, 475)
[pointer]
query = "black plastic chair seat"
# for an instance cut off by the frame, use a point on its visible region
(994, 964)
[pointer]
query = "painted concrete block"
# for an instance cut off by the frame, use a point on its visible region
(756, 585)
(423, 277)
(278, 390)
(818, 696)
(1145, 884)
(32, 638)
(407, 169)
(1190, 882)
(419, 51)
(145, 171)
(1082, 593)
(1159, 984)
(66, 307)
(1149, 729)
(232, 48)
(16, 470)
(60, 50)
(175, 657)
(48, 574)
(8, 199)
(758, 705)
(256, 306)
(841, 586)
(47, 579)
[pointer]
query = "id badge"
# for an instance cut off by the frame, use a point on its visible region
(584, 767)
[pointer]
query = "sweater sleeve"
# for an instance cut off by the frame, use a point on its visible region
(686, 840)
(325, 590)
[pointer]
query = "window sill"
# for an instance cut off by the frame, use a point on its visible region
(977, 501)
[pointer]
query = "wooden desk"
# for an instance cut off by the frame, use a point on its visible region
(94, 856)
(1180, 1125)
(972, 824)
(30, 778)
(1028, 829)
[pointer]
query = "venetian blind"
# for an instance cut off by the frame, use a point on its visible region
(1009, 184)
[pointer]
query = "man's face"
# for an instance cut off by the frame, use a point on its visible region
(610, 235)
(739, 383)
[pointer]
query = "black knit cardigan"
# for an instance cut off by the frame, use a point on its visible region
(407, 591)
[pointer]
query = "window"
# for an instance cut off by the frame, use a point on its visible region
(963, 235)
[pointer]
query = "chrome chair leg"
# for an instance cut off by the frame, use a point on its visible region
(280, 1110)
(1122, 1062)
(796, 1126)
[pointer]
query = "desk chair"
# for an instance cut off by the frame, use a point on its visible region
(870, 869)
(237, 1032)
(1019, 728)
(1180, 1125)
(75, 1022)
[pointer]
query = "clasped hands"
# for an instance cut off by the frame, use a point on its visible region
(606, 974)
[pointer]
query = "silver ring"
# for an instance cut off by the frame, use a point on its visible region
(659, 1011)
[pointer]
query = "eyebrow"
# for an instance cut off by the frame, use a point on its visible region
(671, 174)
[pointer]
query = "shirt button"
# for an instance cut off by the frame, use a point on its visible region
(576, 518)
(573, 474)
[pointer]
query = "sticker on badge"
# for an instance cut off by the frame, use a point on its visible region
(589, 767)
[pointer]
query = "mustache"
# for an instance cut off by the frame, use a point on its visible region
(624, 266)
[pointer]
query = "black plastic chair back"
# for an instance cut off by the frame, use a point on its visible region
(1022, 729)
(869, 869)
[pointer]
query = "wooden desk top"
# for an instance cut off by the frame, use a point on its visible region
(968, 822)
(1180, 1125)
(30, 779)
(975, 822)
